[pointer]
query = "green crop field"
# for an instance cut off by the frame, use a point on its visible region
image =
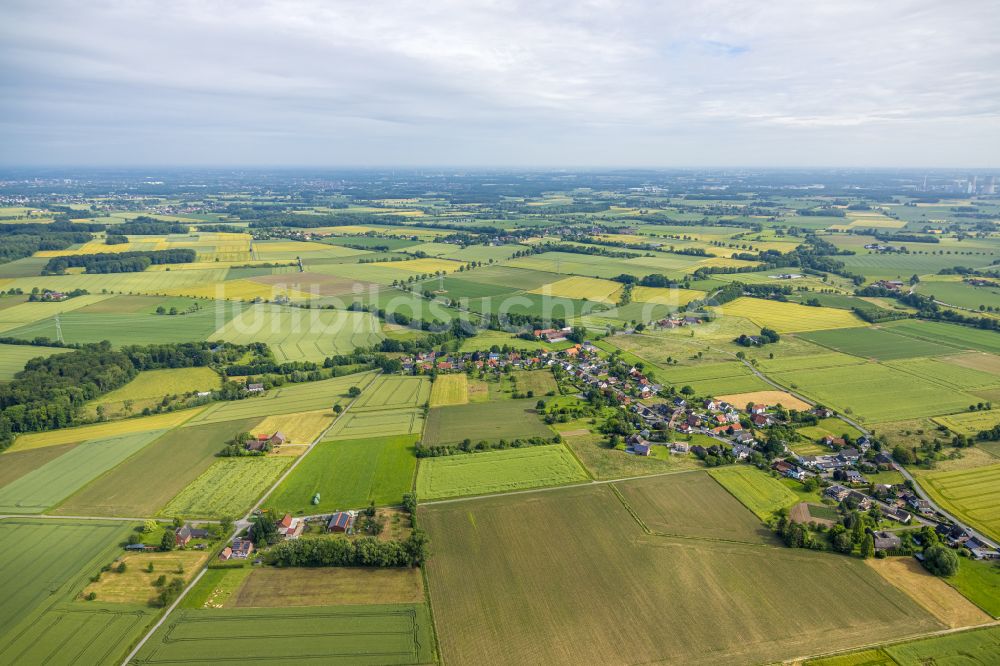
(288, 399)
(144, 483)
(970, 423)
(299, 334)
(501, 419)
(347, 635)
(975, 648)
(449, 390)
(129, 328)
(56, 480)
(590, 570)
(13, 357)
(951, 375)
(228, 488)
(348, 475)
(693, 504)
(45, 565)
(961, 294)
(15, 464)
(497, 471)
(790, 317)
(875, 393)
(971, 494)
(878, 343)
(394, 392)
(948, 334)
(756, 490)
(378, 423)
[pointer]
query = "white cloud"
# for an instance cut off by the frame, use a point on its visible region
(517, 82)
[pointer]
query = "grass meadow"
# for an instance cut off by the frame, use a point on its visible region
(586, 590)
(13, 358)
(497, 471)
(348, 475)
(758, 491)
(877, 343)
(450, 390)
(227, 488)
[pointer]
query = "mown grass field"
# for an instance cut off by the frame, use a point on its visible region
(789, 317)
(378, 423)
(341, 635)
(334, 586)
(972, 495)
(301, 335)
(756, 490)
(539, 382)
(288, 399)
(494, 420)
(144, 483)
(56, 480)
(450, 390)
(586, 590)
(939, 598)
(692, 504)
(348, 475)
(13, 357)
(228, 488)
(135, 584)
(497, 471)
(45, 564)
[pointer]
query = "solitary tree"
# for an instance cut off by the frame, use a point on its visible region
(941, 560)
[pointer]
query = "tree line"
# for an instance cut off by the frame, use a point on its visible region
(118, 262)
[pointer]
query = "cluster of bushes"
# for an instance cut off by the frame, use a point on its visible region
(115, 239)
(467, 446)
(118, 262)
(767, 336)
(340, 551)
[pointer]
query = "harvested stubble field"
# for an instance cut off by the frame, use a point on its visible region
(144, 483)
(450, 390)
(769, 398)
(228, 488)
(710, 589)
(692, 504)
(758, 491)
(941, 599)
(331, 586)
(56, 480)
(288, 399)
(348, 475)
(590, 289)
(789, 317)
(347, 635)
(497, 471)
(494, 420)
(972, 495)
(299, 429)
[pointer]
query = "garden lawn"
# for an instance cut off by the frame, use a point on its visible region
(228, 488)
(491, 421)
(349, 475)
(497, 471)
(56, 480)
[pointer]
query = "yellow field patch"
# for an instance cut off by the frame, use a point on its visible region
(422, 265)
(38, 440)
(135, 584)
(300, 428)
(769, 398)
(450, 390)
(665, 296)
(25, 313)
(237, 289)
(942, 600)
(99, 247)
(727, 262)
(578, 287)
(789, 317)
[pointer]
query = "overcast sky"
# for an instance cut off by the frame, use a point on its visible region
(511, 82)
